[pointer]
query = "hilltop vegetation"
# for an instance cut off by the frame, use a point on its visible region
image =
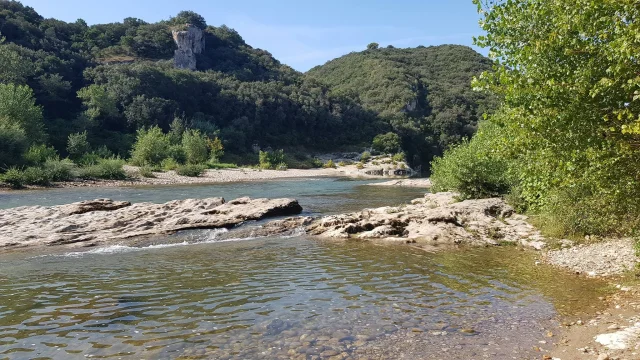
(109, 81)
(422, 94)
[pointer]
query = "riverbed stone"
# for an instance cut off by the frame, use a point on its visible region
(435, 220)
(103, 220)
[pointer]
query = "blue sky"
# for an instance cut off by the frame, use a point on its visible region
(299, 33)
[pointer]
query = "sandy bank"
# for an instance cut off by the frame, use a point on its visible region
(612, 333)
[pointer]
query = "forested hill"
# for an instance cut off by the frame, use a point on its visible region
(423, 93)
(112, 79)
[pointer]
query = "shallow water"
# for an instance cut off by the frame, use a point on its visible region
(281, 298)
(316, 195)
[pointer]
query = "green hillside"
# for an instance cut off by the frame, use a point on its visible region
(111, 80)
(424, 94)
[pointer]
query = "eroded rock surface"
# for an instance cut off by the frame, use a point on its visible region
(436, 219)
(104, 220)
(190, 42)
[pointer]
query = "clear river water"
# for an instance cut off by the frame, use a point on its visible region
(278, 298)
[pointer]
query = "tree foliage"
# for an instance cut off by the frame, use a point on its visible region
(423, 94)
(568, 74)
(388, 143)
(18, 108)
(112, 80)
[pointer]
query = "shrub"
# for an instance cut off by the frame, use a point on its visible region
(104, 152)
(388, 143)
(59, 170)
(316, 163)
(176, 152)
(399, 157)
(191, 170)
(108, 169)
(282, 166)
(221, 166)
(36, 176)
(195, 146)
(38, 154)
(13, 143)
(360, 166)
(330, 164)
(365, 156)
(14, 177)
(77, 145)
(151, 147)
(216, 149)
(169, 164)
(271, 159)
(88, 159)
(470, 171)
(342, 163)
(146, 171)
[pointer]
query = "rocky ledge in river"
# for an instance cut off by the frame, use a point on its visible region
(435, 220)
(90, 222)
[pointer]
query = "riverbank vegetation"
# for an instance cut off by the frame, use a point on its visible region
(66, 85)
(565, 143)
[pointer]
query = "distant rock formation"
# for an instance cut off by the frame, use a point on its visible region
(190, 42)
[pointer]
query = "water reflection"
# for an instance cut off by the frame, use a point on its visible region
(277, 298)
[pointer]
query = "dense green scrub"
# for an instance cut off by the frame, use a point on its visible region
(423, 94)
(565, 143)
(109, 81)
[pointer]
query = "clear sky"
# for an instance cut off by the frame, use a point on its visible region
(299, 33)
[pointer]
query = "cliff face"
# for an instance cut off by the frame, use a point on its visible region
(190, 42)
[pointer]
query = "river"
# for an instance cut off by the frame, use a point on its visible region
(278, 298)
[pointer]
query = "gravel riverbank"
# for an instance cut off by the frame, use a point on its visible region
(606, 258)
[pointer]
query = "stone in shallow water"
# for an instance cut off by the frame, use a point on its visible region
(105, 220)
(622, 339)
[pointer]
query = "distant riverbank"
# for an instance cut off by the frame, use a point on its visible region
(212, 176)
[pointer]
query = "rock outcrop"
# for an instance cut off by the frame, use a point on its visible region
(104, 220)
(435, 220)
(190, 42)
(420, 183)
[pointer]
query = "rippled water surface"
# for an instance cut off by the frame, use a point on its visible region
(317, 195)
(282, 298)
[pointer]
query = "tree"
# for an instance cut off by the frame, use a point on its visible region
(18, 108)
(13, 144)
(153, 41)
(388, 143)
(15, 68)
(78, 145)
(98, 101)
(373, 46)
(569, 126)
(151, 147)
(216, 149)
(195, 147)
(189, 17)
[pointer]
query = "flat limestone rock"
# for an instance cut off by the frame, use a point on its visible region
(419, 183)
(436, 219)
(105, 220)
